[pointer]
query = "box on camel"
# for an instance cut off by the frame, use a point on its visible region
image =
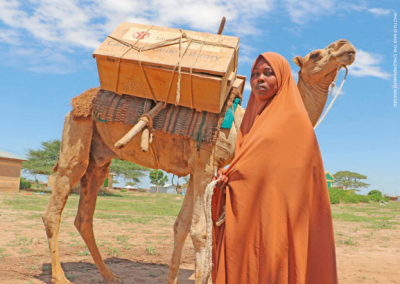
(155, 62)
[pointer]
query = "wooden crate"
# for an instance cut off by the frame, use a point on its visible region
(213, 67)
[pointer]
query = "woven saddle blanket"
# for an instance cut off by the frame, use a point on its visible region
(199, 126)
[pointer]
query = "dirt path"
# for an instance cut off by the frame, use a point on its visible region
(140, 251)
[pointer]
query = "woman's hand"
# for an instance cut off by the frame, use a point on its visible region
(223, 179)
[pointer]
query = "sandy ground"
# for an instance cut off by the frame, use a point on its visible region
(140, 253)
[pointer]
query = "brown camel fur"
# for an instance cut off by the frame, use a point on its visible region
(87, 149)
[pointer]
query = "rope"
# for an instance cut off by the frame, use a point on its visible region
(148, 119)
(208, 254)
(333, 100)
(119, 59)
(154, 153)
(165, 43)
(191, 73)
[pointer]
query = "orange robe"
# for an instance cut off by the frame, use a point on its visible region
(278, 226)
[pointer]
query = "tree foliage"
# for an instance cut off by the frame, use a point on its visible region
(42, 161)
(350, 180)
(158, 178)
(130, 172)
(375, 191)
(23, 184)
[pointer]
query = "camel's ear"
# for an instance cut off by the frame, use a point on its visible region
(298, 60)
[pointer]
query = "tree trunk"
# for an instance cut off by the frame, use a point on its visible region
(156, 188)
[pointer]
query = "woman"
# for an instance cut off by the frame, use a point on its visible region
(278, 226)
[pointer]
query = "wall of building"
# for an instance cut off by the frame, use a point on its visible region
(10, 174)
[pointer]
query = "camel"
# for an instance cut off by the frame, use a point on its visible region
(87, 148)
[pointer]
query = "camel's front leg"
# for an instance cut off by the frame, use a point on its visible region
(181, 230)
(90, 184)
(203, 173)
(72, 164)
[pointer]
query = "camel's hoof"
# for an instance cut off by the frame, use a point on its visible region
(61, 280)
(114, 280)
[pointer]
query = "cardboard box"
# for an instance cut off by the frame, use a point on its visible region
(213, 67)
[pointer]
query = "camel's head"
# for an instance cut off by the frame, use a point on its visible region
(320, 66)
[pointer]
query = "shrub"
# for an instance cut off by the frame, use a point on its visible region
(352, 198)
(23, 184)
(373, 192)
(337, 195)
(376, 197)
(364, 198)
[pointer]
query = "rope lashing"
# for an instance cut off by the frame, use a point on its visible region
(149, 121)
(183, 38)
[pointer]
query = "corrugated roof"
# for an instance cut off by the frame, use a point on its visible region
(11, 156)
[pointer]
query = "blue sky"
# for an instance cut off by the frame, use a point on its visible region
(46, 51)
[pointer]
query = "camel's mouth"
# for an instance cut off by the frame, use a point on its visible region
(344, 57)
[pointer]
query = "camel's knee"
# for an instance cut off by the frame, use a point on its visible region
(181, 224)
(82, 224)
(50, 222)
(198, 235)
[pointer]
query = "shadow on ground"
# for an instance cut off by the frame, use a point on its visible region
(130, 272)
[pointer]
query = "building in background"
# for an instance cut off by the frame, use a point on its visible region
(329, 179)
(10, 172)
(168, 188)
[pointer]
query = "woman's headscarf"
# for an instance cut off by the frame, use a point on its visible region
(278, 226)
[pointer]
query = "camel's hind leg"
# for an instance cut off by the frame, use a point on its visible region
(90, 183)
(72, 164)
(181, 230)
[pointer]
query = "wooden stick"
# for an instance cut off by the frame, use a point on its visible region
(138, 127)
(144, 144)
(221, 26)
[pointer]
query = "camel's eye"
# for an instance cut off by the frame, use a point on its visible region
(314, 56)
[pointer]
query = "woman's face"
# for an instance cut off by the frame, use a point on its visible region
(263, 81)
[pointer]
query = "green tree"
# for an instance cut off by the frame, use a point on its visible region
(42, 161)
(131, 173)
(158, 178)
(375, 191)
(350, 180)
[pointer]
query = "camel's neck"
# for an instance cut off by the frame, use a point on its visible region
(314, 97)
(312, 89)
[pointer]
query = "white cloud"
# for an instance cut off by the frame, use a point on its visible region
(302, 11)
(9, 36)
(367, 64)
(246, 59)
(70, 25)
(375, 11)
(85, 24)
(379, 11)
(40, 60)
(247, 86)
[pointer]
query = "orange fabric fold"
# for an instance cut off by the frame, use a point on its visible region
(278, 226)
